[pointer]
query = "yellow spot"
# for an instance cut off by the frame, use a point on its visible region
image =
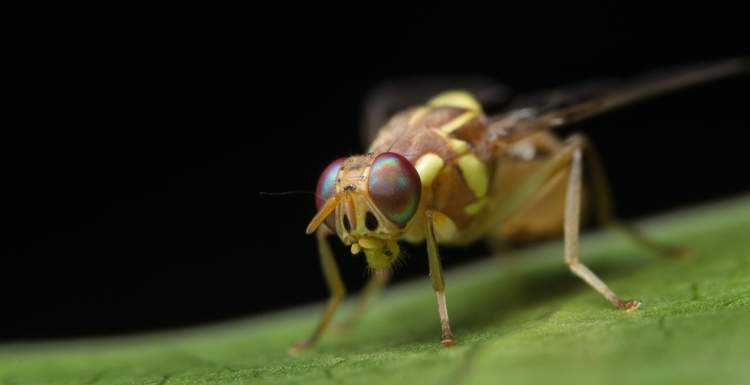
(355, 248)
(370, 243)
(445, 228)
(417, 115)
(474, 173)
(428, 166)
(458, 146)
(458, 122)
(460, 99)
(474, 208)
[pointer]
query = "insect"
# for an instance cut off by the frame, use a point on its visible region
(447, 173)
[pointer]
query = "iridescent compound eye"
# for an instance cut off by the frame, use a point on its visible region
(394, 187)
(327, 187)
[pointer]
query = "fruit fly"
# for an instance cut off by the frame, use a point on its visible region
(447, 173)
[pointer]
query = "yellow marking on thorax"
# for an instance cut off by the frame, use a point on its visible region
(428, 166)
(458, 122)
(418, 114)
(458, 146)
(476, 207)
(475, 174)
(445, 228)
(459, 99)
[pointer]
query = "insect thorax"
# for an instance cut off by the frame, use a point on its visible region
(446, 142)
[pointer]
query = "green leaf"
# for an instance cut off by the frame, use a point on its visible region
(520, 318)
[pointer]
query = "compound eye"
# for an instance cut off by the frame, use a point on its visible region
(327, 187)
(394, 187)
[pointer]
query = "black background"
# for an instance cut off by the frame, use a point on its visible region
(135, 142)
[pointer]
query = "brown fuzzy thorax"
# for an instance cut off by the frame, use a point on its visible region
(457, 136)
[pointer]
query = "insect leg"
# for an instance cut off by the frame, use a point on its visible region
(376, 283)
(571, 230)
(438, 284)
(335, 286)
(605, 212)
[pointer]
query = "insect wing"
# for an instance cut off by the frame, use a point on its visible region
(540, 112)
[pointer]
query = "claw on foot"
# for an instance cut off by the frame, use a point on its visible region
(299, 348)
(630, 305)
(448, 341)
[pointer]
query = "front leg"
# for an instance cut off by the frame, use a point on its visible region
(438, 284)
(335, 286)
(379, 279)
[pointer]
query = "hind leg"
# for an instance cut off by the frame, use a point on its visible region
(605, 212)
(550, 200)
